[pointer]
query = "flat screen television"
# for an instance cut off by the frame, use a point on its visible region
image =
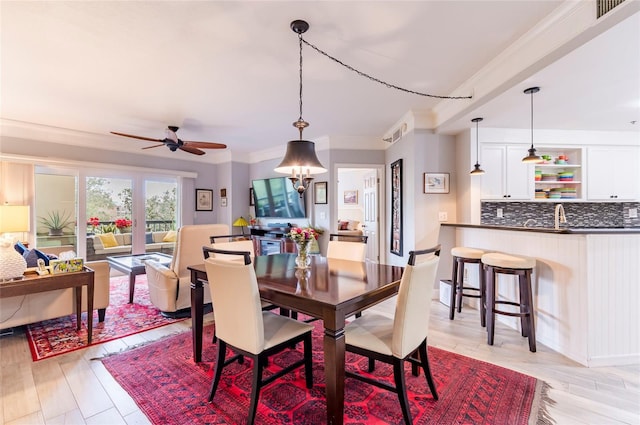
(276, 197)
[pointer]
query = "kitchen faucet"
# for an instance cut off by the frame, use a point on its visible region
(559, 216)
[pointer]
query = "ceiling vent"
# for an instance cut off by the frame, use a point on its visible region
(397, 134)
(605, 6)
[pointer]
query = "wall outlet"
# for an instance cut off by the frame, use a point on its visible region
(442, 216)
(633, 213)
(499, 213)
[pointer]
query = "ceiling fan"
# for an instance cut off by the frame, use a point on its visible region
(173, 143)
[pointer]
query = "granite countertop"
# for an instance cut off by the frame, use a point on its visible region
(578, 231)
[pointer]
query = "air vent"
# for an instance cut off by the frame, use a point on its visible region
(397, 135)
(605, 6)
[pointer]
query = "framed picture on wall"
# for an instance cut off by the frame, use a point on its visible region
(252, 201)
(436, 182)
(320, 193)
(350, 197)
(204, 200)
(396, 208)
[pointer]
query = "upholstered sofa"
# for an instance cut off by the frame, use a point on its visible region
(22, 310)
(154, 242)
(170, 287)
(349, 228)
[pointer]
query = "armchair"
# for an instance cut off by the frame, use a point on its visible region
(169, 287)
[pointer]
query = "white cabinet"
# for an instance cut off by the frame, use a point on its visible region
(613, 173)
(506, 176)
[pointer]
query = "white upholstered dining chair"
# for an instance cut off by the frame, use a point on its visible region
(250, 331)
(394, 341)
(347, 250)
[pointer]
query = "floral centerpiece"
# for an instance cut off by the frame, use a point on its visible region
(123, 225)
(303, 236)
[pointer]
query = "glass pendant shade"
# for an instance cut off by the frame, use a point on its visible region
(532, 157)
(477, 171)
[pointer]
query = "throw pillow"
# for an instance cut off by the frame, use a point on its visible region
(31, 257)
(148, 237)
(20, 248)
(353, 225)
(343, 225)
(108, 240)
(171, 236)
(42, 255)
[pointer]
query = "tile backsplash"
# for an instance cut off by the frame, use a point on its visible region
(579, 214)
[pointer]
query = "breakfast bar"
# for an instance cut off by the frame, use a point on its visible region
(585, 289)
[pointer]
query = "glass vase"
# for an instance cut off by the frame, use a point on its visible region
(303, 260)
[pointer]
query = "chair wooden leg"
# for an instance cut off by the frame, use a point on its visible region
(222, 350)
(415, 371)
(398, 375)
(308, 361)
(491, 288)
(424, 360)
(372, 365)
(452, 298)
(358, 314)
(255, 388)
(459, 285)
(483, 295)
(532, 326)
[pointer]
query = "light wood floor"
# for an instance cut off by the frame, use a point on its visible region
(73, 389)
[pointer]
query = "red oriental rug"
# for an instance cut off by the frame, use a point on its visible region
(171, 389)
(59, 336)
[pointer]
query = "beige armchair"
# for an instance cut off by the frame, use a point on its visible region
(170, 287)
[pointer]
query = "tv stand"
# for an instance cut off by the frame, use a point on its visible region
(272, 239)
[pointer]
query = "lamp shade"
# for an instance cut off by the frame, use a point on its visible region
(14, 218)
(300, 153)
(240, 222)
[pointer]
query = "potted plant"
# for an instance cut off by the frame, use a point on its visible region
(56, 222)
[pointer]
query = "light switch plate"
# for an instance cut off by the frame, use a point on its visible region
(499, 213)
(633, 213)
(442, 216)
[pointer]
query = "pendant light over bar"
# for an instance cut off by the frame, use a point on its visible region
(300, 160)
(477, 171)
(532, 158)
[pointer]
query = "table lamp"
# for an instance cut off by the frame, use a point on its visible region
(241, 222)
(13, 218)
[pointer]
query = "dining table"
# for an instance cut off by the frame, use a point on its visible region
(330, 290)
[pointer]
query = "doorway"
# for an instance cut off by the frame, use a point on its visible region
(359, 198)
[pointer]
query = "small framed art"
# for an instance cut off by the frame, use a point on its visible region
(204, 200)
(320, 193)
(350, 197)
(252, 201)
(436, 182)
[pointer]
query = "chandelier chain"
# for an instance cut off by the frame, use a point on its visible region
(363, 74)
(300, 40)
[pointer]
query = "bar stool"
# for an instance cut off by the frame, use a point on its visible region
(500, 263)
(461, 256)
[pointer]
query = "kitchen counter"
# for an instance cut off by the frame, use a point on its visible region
(565, 230)
(586, 293)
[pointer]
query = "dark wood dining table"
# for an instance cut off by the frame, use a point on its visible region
(330, 290)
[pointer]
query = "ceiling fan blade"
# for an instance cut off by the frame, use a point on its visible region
(191, 149)
(136, 137)
(206, 145)
(154, 146)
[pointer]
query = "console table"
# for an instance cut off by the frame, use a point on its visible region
(268, 240)
(34, 283)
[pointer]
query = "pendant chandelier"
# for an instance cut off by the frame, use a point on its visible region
(300, 160)
(532, 158)
(300, 157)
(477, 171)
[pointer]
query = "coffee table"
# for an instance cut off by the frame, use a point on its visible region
(134, 265)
